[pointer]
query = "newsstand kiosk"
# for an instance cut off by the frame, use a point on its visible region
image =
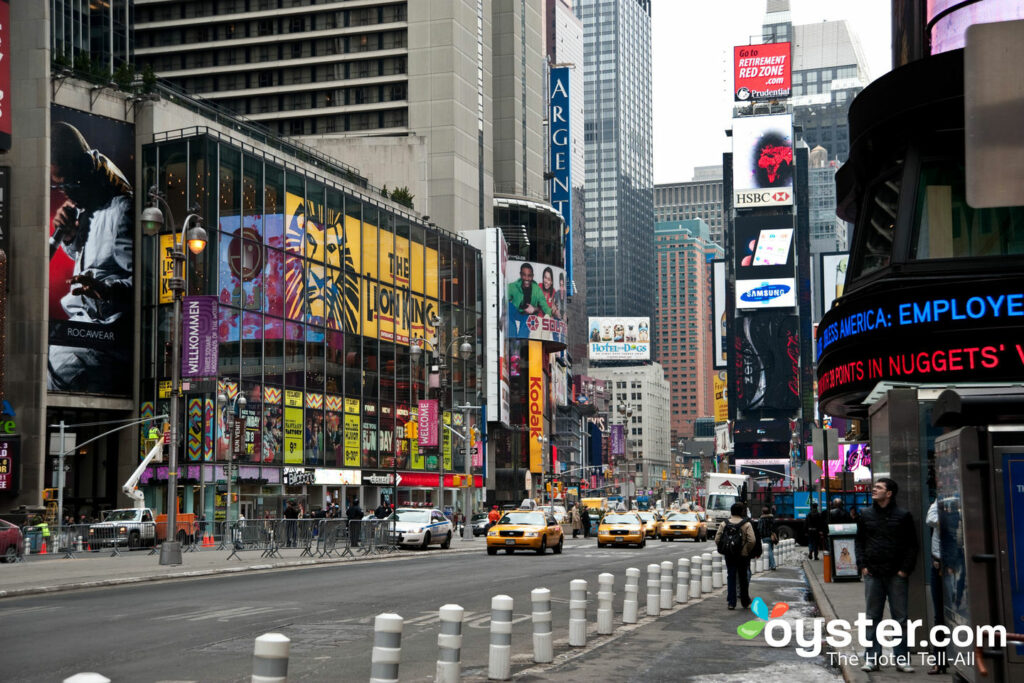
(842, 546)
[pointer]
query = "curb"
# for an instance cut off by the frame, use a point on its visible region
(200, 573)
(851, 674)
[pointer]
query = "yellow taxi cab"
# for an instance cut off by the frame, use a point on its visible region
(683, 525)
(650, 520)
(621, 528)
(525, 529)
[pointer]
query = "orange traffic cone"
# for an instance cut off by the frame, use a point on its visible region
(42, 550)
(207, 541)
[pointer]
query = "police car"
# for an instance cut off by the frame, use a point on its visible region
(420, 527)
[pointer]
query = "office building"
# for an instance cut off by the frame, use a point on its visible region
(683, 341)
(618, 136)
(96, 34)
(639, 401)
(699, 198)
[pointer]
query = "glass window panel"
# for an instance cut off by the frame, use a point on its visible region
(295, 214)
(229, 289)
(228, 332)
(273, 426)
(294, 352)
(878, 225)
(314, 223)
(313, 437)
(250, 269)
(334, 368)
(273, 350)
(252, 414)
(273, 207)
(353, 234)
(252, 344)
(252, 197)
(334, 229)
(315, 295)
(273, 292)
(314, 362)
(229, 202)
(294, 282)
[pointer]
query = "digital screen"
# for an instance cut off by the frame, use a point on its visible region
(773, 247)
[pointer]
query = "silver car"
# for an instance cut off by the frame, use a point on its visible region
(420, 527)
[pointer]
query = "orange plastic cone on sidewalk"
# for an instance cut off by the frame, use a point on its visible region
(207, 541)
(42, 550)
(826, 567)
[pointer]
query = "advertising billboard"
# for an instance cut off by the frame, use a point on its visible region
(762, 72)
(91, 253)
(536, 301)
(721, 397)
(199, 336)
(767, 362)
(535, 402)
(620, 339)
(764, 262)
(833, 278)
(720, 325)
(494, 255)
(561, 155)
(762, 161)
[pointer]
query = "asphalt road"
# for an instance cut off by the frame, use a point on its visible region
(203, 629)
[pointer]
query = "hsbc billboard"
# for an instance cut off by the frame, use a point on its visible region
(762, 161)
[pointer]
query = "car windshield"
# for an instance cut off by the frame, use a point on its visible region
(523, 518)
(646, 516)
(414, 516)
(120, 516)
(620, 519)
(684, 518)
(480, 516)
(720, 502)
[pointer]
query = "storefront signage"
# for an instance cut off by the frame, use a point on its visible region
(9, 450)
(535, 402)
(294, 476)
(427, 423)
(293, 427)
(199, 336)
(383, 478)
(618, 440)
(336, 477)
(762, 72)
(351, 432)
(166, 296)
(446, 442)
(949, 332)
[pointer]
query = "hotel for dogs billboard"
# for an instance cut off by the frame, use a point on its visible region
(620, 339)
(91, 262)
(762, 161)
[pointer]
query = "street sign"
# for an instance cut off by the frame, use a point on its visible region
(237, 436)
(809, 471)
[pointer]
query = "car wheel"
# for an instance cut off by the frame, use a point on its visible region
(447, 541)
(543, 545)
(785, 533)
(492, 551)
(643, 543)
(11, 555)
(426, 541)
(600, 545)
(663, 539)
(133, 540)
(557, 550)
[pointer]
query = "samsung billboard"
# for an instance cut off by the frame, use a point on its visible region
(762, 161)
(620, 339)
(765, 264)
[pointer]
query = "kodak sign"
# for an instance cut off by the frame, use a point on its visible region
(535, 402)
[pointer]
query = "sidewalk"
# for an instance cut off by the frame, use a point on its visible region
(845, 600)
(52, 573)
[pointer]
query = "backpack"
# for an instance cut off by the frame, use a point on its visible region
(731, 542)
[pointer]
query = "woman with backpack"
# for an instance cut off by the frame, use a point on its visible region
(736, 540)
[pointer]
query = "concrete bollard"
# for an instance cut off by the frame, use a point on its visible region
(270, 659)
(716, 571)
(605, 595)
(666, 584)
(387, 648)
(87, 677)
(653, 590)
(449, 644)
(577, 613)
(543, 647)
(499, 661)
(756, 565)
(706, 585)
(725, 572)
(695, 564)
(683, 580)
(630, 603)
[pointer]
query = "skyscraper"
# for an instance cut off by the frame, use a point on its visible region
(618, 137)
(698, 198)
(683, 341)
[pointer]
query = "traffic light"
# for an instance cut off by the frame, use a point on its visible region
(412, 429)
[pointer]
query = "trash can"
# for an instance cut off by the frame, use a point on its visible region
(35, 538)
(842, 544)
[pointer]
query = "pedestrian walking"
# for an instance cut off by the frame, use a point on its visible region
(291, 515)
(354, 514)
(585, 521)
(577, 522)
(766, 532)
(382, 511)
(837, 513)
(813, 524)
(886, 553)
(735, 540)
(932, 520)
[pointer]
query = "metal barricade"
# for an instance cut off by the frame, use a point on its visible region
(70, 539)
(193, 541)
(333, 538)
(257, 535)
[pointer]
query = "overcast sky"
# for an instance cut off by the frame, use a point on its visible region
(692, 64)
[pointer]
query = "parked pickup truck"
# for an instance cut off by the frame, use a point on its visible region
(136, 528)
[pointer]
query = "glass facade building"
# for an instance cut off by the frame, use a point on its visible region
(618, 138)
(320, 292)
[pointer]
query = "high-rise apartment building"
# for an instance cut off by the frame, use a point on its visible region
(618, 135)
(829, 70)
(401, 90)
(700, 198)
(100, 31)
(683, 341)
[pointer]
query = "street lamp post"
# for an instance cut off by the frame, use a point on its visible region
(234, 410)
(626, 412)
(152, 221)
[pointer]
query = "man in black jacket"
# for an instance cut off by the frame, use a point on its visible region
(886, 554)
(813, 524)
